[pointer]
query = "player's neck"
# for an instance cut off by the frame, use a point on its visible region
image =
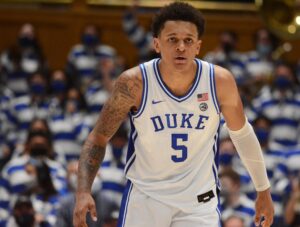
(178, 81)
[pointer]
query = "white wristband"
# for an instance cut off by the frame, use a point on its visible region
(249, 150)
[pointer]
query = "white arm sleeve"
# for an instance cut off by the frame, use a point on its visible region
(249, 150)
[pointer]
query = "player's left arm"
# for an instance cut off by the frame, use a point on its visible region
(245, 141)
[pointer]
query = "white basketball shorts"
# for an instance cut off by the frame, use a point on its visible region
(140, 210)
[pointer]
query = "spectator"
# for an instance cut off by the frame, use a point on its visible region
(260, 62)
(36, 125)
(23, 213)
(69, 128)
(22, 60)
(232, 201)
(84, 57)
(35, 174)
(59, 85)
(35, 105)
(227, 56)
(281, 104)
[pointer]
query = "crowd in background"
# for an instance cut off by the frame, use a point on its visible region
(46, 114)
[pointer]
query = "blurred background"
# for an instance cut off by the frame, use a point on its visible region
(58, 63)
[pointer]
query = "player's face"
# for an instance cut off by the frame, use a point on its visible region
(178, 43)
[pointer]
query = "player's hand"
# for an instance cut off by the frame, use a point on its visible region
(264, 209)
(84, 203)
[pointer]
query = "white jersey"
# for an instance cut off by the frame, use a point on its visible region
(172, 153)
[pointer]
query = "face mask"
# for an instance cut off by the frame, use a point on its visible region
(225, 159)
(27, 42)
(37, 88)
(227, 47)
(264, 49)
(282, 83)
(117, 153)
(58, 86)
(25, 220)
(262, 135)
(89, 40)
(37, 151)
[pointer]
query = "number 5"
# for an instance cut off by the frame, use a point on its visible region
(182, 148)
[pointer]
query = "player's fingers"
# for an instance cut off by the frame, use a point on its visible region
(265, 224)
(268, 220)
(93, 212)
(257, 219)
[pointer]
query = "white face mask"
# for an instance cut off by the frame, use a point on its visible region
(73, 182)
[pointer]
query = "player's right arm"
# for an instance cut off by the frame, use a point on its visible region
(125, 97)
(246, 143)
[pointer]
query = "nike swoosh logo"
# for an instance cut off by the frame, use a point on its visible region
(156, 102)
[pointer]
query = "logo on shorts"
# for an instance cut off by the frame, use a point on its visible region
(203, 106)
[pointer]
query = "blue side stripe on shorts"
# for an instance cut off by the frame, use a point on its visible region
(124, 204)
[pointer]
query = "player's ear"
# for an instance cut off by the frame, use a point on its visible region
(199, 42)
(156, 45)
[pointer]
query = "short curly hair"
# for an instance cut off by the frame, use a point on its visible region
(178, 11)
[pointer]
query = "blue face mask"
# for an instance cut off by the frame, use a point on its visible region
(225, 159)
(264, 49)
(37, 88)
(89, 40)
(58, 86)
(282, 83)
(117, 153)
(262, 135)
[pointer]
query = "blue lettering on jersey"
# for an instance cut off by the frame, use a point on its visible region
(172, 124)
(201, 122)
(158, 124)
(186, 119)
(178, 121)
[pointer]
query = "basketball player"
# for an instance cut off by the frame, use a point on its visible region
(174, 104)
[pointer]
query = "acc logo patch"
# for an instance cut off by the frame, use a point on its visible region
(203, 106)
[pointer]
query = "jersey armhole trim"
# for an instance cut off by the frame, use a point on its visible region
(213, 87)
(144, 94)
